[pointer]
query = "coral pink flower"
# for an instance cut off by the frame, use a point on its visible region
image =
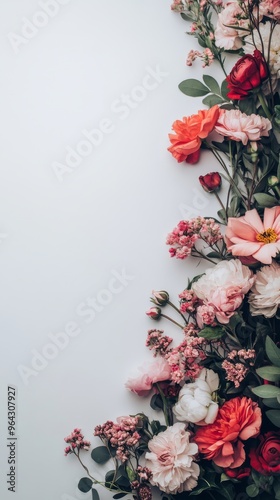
(149, 374)
(186, 141)
(249, 236)
(241, 127)
(238, 420)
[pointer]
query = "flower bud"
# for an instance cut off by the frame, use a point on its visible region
(211, 182)
(154, 312)
(160, 298)
(273, 181)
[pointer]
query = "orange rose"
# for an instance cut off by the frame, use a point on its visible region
(186, 142)
(238, 420)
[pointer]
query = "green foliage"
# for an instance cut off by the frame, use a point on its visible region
(100, 455)
(193, 88)
(212, 333)
(85, 484)
(272, 351)
(266, 391)
(94, 494)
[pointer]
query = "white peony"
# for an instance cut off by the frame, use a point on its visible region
(195, 403)
(264, 297)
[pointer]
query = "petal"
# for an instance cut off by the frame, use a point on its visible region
(245, 249)
(270, 214)
(253, 219)
(240, 228)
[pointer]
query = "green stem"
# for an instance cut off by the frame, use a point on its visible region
(172, 321)
(178, 310)
(264, 105)
(165, 407)
(220, 202)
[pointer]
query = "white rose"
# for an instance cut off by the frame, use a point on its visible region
(195, 403)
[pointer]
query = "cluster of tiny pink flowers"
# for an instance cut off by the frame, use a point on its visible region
(185, 359)
(144, 492)
(206, 56)
(234, 372)
(157, 342)
(243, 355)
(191, 331)
(188, 301)
(76, 441)
(144, 473)
(121, 435)
(185, 235)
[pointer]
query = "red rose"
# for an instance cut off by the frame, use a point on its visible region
(265, 458)
(247, 74)
(239, 472)
(210, 182)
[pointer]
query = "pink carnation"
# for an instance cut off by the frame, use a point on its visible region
(149, 374)
(249, 236)
(241, 127)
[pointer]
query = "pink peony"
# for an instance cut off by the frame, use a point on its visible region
(149, 374)
(240, 127)
(170, 460)
(223, 287)
(226, 36)
(249, 236)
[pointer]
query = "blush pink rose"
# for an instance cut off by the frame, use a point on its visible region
(241, 127)
(238, 420)
(249, 236)
(150, 373)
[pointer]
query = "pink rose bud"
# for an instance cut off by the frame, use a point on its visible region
(154, 312)
(211, 182)
(160, 298)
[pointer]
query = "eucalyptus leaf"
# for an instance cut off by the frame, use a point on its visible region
(212, 99)
(272, 351)
(271, 403)
(225, 90)
(94, 494)
(212, 84)
(85, 484)
(264, 200)
(271, 373)
(119, 495)
(100, 454)
(274, 417)
(252, 490)
(266, 391)
(193, 88)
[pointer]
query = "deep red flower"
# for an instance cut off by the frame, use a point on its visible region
(239, 472)
(265, 458)
(246, 75)
(211, 182)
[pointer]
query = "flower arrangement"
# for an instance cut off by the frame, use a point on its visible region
(217, 393)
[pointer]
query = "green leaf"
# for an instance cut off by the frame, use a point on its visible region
(266, 391)
(212, 100)
(85, 484)
(274, 417)
(272, 351)
(264, 200)
(214, 255)
(252, 490)
(100, 454)
(271, 403)
(212, 84)
(271, 373)
(119, 495)
(156, 402)
(95, 495)
(225, 90)
(109, 478)
(193, 88)
(212, 333)
(247, 106)
(276, 487)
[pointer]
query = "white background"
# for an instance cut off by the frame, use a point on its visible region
(63, 241)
